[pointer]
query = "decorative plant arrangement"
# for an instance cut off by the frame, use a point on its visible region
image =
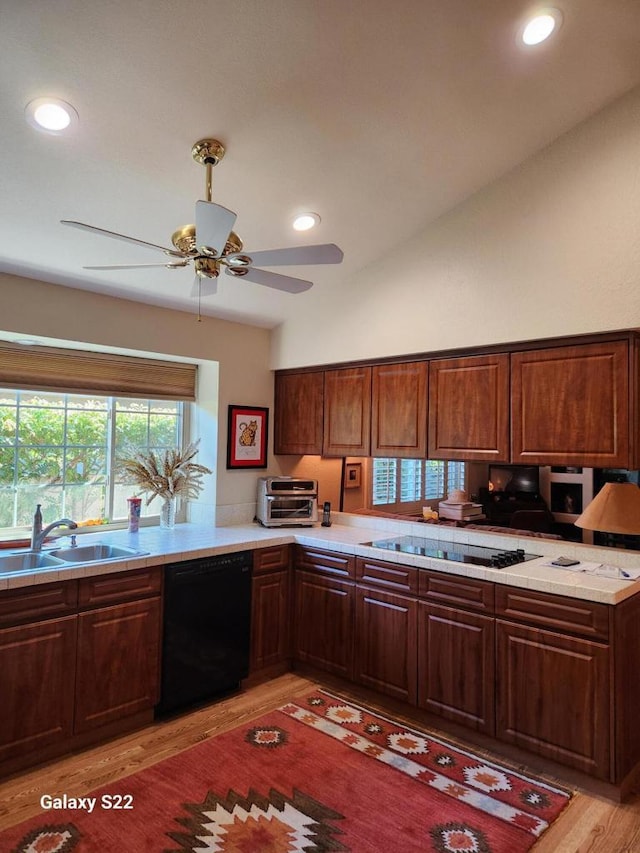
(167, 475)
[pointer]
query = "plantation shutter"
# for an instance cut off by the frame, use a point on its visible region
(434, 479)
(384, 481)
(410, 480)
(80, 372)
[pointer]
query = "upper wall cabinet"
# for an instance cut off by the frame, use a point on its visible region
(298, 413)
(469, 408)
(399, 410)
(570, 405)
(347, 412)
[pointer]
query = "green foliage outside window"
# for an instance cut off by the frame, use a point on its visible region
(59, 450)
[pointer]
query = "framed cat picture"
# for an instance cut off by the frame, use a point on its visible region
(247, 437)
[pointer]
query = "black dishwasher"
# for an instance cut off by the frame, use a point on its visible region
(207, 616)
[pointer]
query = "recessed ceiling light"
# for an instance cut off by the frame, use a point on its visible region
(51, 115)
(540, 27)
(305, 221)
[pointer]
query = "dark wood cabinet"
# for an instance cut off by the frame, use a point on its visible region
(469, 408)
(270, 608)
(569, 401)
(555, 676)
(347, 412)
(399, 410)
(90, 672)
(324, 606)
(570, 405)
(117, 667)
(37, 683)
(298, 413)
(553, 696)
(324, 623)
(456, 666)
(386, 643)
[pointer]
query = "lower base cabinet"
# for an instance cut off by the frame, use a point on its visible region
(553, 696)
(456, 666)
(37, 676)
(270, 607)
(324, 623)
(117, 664)
(386, 643)
(554, 675)
(70, 669)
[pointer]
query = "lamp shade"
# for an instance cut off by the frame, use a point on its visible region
(615, 509)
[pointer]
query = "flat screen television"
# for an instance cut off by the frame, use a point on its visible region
(514, 479)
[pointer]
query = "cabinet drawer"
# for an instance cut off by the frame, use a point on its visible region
(326, 562)
(387, 575)
(30, 604)
(270, 559)
(569, 615)
(122, 586)
(467, 593)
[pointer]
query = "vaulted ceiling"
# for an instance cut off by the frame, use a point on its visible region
(380, 115)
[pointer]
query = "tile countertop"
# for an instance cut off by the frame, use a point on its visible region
(348, 534)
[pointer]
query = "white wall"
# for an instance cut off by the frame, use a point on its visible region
(552, 248)
(234, 359)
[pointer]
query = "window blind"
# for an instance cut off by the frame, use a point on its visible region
(80, 372)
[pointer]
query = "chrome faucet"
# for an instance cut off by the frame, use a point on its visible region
(38, 535)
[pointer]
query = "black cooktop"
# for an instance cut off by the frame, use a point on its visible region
(453, 551)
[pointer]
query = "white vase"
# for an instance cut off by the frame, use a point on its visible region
(168, 513)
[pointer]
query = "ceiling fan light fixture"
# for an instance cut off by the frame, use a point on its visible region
(51, 115)
(540, 26)
(306, 221)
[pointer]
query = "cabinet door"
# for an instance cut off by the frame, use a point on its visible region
(347, 412)
(399, 410)
(269, 619)
(37, 675)
(456, 666)
(386, 643)
(324, 623)
(298, 413)
(570, 406)
(553, 696)
(469, 408)
(118, 662)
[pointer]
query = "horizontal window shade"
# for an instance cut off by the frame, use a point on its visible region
(75, 371)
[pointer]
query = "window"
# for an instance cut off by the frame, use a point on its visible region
(405, 484)
(60, 450)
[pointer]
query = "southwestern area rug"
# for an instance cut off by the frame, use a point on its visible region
(319, 774)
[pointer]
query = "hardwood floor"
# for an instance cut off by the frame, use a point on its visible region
(591, 824)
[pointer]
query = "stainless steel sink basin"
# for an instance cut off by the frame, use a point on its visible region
(94, 553)
(28, 560)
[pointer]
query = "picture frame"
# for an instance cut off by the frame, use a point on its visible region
(353, 475)
(248, 431)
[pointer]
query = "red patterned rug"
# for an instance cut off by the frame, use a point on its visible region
(318, 774)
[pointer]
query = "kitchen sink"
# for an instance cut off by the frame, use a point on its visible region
(94, 553)
(29, 560)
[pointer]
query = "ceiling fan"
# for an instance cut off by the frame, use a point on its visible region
(211, 244)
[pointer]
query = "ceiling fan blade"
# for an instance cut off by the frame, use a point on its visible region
(275, 280)
(171, 266)
(213, 225)
(324, 253)
(204, 286)
(93, 229)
